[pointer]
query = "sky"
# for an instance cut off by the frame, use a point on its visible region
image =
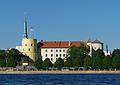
(56, 20)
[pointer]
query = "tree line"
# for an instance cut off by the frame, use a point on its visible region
(76, 57)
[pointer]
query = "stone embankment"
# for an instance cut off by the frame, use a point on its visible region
(60, 72)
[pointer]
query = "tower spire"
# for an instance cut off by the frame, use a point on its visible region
(25, 27)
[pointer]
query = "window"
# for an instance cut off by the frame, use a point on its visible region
(31, 44)
(51, 50)
(51, 59)
(60, 50)
(56, 55)
(45, 50)
(51, 55)
(95, 48)
(63, 50)
(29, 49)
(63, 55)
(56, 50)
(25, 44)
(45, 55)
(60, 55)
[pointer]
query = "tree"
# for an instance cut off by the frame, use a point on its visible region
(77, 62)
(98, 57)
(116, 61)
(12, 58)
(68, 62)
(2, 58)
(84, 50)
(59, 63)
(38, 63)
(98, 52)
(116, 58)
(78, 53)
(15, 53)
(88, 61)
(97, 62)
(47, 63)
(73, 52)
(107, 62)
(116, 52)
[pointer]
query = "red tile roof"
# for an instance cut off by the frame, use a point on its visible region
(59, 44)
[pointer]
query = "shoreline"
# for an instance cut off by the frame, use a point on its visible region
(60, 72)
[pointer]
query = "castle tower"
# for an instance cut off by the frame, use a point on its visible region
(29, 45)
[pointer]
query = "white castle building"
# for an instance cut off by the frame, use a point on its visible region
(58, 49)
(51, 49)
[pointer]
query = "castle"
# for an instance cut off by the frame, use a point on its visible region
(51, 49)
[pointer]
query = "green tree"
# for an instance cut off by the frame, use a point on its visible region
(38, 63)
(116, 58)
(98, 57)
(77, 62)
(116, 52)
(59, 63)
(47, 63)
(116, 61)
(73, 52)
(97, 62)
(2, 58)
(68, 62)
(107, 62)
(78, 53)
(12, 58)
(88, 61)
(98, 52)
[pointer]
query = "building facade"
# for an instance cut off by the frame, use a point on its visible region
(58, 49)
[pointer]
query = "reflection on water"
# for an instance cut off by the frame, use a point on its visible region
(61, 79)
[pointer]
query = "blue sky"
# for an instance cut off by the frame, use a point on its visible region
(61, 20)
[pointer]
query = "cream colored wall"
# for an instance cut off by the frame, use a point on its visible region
(29, 48)
(54, 53)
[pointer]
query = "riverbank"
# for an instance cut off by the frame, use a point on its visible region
(59, 72)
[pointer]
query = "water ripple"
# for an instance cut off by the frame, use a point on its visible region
(55, 79)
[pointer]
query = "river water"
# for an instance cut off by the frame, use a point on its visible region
(60, 79)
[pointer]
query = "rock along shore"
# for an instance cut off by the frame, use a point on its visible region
(59, 72)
